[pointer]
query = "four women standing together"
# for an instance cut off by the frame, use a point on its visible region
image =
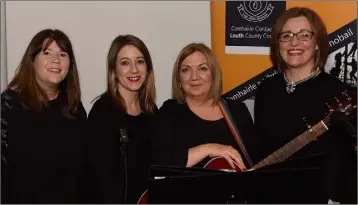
(52, 154)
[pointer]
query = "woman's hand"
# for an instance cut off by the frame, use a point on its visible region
(198, 153)
(228, 152)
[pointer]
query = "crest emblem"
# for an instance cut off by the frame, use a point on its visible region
(255, 11)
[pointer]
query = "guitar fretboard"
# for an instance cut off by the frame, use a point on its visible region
(293, 146)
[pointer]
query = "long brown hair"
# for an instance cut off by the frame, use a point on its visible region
(147, 91)
(216, 87)
(320, 35)
(24, 82)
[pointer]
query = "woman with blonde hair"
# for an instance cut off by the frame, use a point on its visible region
(192, 126)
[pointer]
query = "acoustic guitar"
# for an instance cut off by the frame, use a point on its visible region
(346, 105)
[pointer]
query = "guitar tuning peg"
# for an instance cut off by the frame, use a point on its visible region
(329, 107)
(336, 99)
(305, 121)
(345, 93)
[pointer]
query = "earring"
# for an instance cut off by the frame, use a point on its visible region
(180, 85)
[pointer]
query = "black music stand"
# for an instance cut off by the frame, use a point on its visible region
(282, 183)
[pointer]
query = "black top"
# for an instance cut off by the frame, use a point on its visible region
(105, 161)
(42, 153)
(279, 118)
(180, 129)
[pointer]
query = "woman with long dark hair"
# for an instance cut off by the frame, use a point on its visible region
(42, 125)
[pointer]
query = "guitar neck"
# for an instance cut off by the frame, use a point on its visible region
(293, 146)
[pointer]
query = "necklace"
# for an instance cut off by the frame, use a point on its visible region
(291, 86)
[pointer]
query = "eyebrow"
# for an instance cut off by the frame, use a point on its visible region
(288, 31)
(45, 49)
(126, 58)
(198, 65)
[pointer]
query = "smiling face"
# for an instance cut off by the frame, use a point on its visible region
(195, 75)
(131, 69)
(51, 66)
(297, 53)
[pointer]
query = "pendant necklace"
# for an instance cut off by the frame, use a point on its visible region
(291, 86)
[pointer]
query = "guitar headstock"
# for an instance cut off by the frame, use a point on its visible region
(344, 107)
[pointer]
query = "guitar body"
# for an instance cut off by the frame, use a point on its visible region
(220, 163)
(144, 198)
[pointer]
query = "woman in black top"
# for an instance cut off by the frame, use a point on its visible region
(297, 96)
(118, 169)
(42, 125)
(192, 128)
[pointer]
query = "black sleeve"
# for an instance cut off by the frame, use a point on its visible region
(11, 130)
(10, 108)
(8, 117)
(168, 150)
(6, 109)
(101, 152)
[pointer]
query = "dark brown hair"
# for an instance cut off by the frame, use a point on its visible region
(147, 91)
(32, 95)
(320, 35)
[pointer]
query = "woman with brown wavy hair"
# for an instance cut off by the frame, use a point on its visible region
(299, 95)
(118, 125)
(42, 124)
